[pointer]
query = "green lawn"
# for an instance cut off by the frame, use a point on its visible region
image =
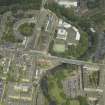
(59, 48)
(26, 29)
(58, 94)
(55, 86)
(55, 90)
(74, 102)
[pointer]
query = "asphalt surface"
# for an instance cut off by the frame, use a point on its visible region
(59, 59)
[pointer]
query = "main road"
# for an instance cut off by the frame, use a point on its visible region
(48, 56)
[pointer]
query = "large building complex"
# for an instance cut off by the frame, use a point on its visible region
(67, 35)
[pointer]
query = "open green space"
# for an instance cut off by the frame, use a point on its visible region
(74, 102)
(55, 91)
(52, 86)
(26, 29)
(59, 48)
(84, 24)
(21, 2)
(2, 74)
(93, 4)
(8, 35)
(94, 78)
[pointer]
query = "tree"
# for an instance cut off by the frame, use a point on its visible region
(93, 4)
(83, 100)
(26, 29)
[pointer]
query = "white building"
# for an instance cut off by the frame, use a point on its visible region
(77, 33)
(21, 88)
(62, 34)
(63, 24)
(67, 3)
(66, 30)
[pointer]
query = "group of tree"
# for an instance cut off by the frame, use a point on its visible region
(93, 4)
(12, 5)
(83, 23)
(21, 2)
(26, 29)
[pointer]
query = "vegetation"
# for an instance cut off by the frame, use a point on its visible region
(60, 11)
(93, 4)
(21, 2)
(84, 24)
(59, 46)
(98, 18)
(1, 69)
(70, 15)
(13, 5)
(82, 100)
(8, 35)
(94, 78)
(73, 51)
(16, 75)
(52, 87)
(81, 48)
(26, 29)
(93, 42)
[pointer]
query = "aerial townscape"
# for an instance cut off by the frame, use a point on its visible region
(52, 52)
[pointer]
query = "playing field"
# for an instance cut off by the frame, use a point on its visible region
(59, 48)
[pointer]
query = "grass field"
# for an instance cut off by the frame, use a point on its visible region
(26, 29)
(55, 90)
(59, 48)
(74, 102)
(56, 93)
